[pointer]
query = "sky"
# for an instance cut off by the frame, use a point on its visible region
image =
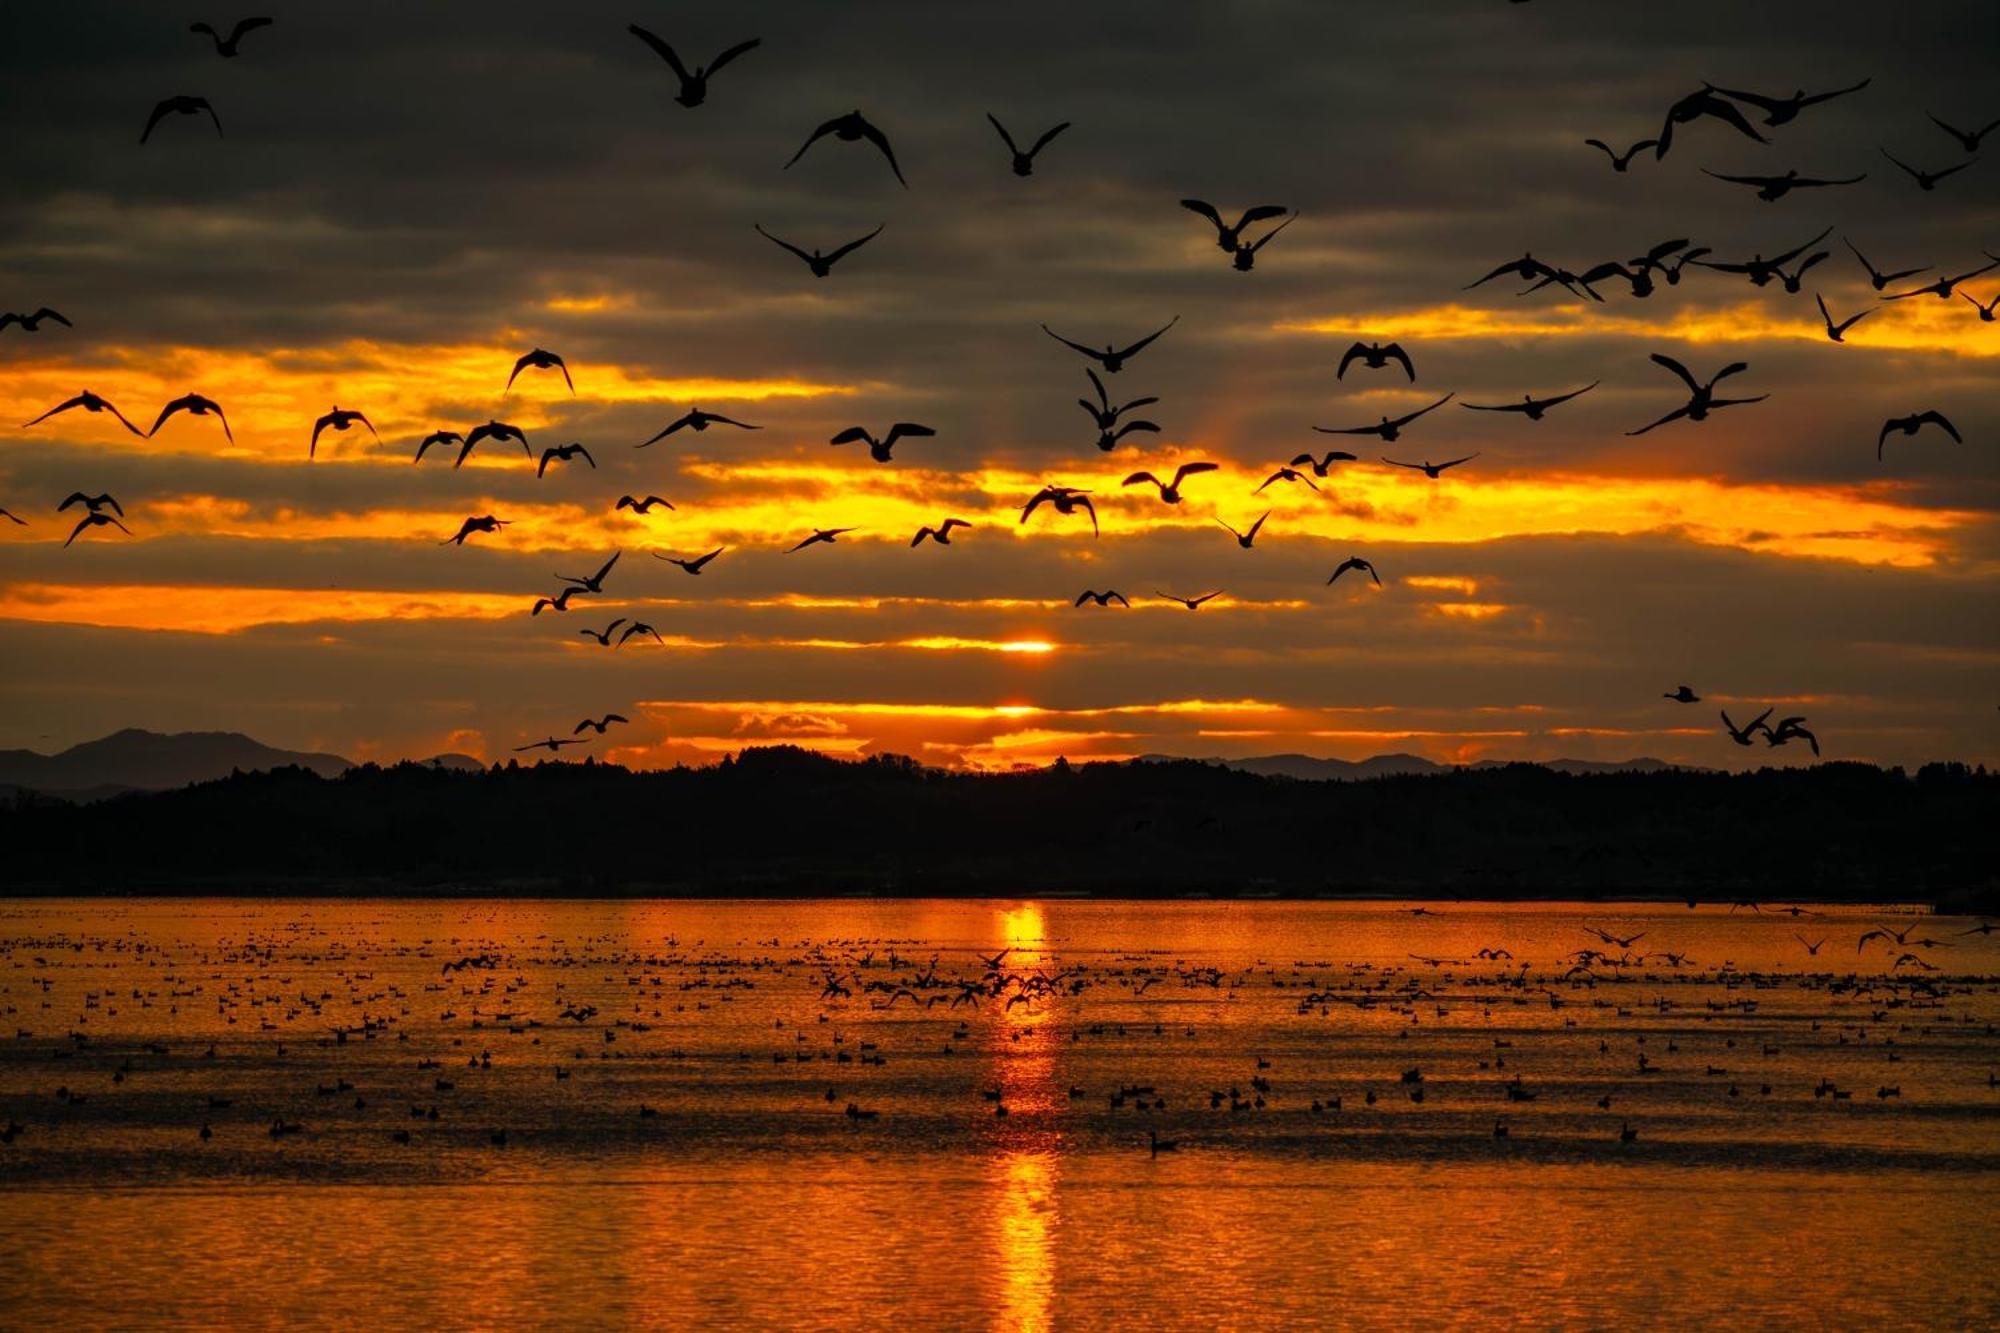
(410, 197)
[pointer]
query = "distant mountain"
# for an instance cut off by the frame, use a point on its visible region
(1311, 768)
(463, 763)
(151, 761)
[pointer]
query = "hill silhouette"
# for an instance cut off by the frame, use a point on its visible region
(151, 760)
(786, 821)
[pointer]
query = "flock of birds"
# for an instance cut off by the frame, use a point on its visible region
(1641, 275)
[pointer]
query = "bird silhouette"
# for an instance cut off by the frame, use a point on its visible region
(1683, 695)
(1986, 308)
(1759, 270)
(1781, 110)
(696, 420)
(338, 420)
(1112, 358)
(95, 519)
(638, 627)
(1969, 140)
(195, 406)
(693, 566)
(92, 503)
(1880, 281)
(493, 430)
(1837, 332)
(1430, 469)
(1170, 491)
(540, 359)
(1943, 287)
(1064, 500)
(1228, 238)
(1104, 598)
(1191, 603)
(1376, 356)
(559, 602)
(226, 46)
(1245, 255)
(1701, 400)
(852, 128)
(552, 745)
(14, 517)
(639, 506)
(32, 322)
(819, 535)
(1743, 734)
(1288, 474)
(1322, 464)
(603, 636)
(1790, 729)
(1354, 562)
(593, 583)
(89, 402)
(1531, 407)
(879, 450)
(941, 534)
(598, 724)
(1926, 180)
(436, 437)
(1694, 107)
(563, 454)
(694, 82)
(1024, 163)
(1773, 188)
(821, 265)
(1389, 430)
(180, 106)
(483, 523)
(1622, 162)
(1913, 423)
(1248, 539)
(1528, 269)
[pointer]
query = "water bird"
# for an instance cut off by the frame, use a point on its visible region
(1986, 308)
(1112, 358)
(1430, 469)
(1104, 598)
(1531, 407)
(552, 744)
(879, 450)
(540, 358)
(1683, 695)
(1782, 110)
(941, 534)
(1228, 238)
(482, 523)
(1943, 287)
(1170, 491)
(1247, 539)
(598, 724)
(226, 46)
(641, 506)
(1701, 400)
(499, 431)
(563, 454)
(1064, 500)
(436, 437)
(1024, 163)
(1376, 356)
(1191, 603)
(820, 264)
(1759, 270)
(693, 566)
(1837, 332)
(1286, 474)
(1322, 464)
(1969, 140)
(694, 82)
(1694, 107)
(1388, 430)
(1773, 188)
(1245, 255)
(1913, 423)
(32, 322)
(195, 406)
(1622, 161)
(1742, 735)
(95, 519)
(852, 128)
(1878, 280)
(1354, 562)
(593, 583)
(1790, 729)
(603, 636)
(180, 106)
(825, 535)
(1926, 180)
(696, 420)
(89, 402)
(339, 420)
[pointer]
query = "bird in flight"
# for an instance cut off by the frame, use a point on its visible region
(1191, 603)
(1247, 540)
(1760, 270)
(1105, 598)
(1692, 108)
(1779, 110)
(694, 82)
(541, 359)
(1926, 180)
(1170, 491)
(852, 128)
(595, 583)
(1969, 140)
(89, 402)
(1228, 238)
(639, 506)
(696, 420)
(194, 405)
(551, 745)
(96, 518)
(18, 520)
(1527, 268)
(564, 454)
(1322, 464)
(1288, 474)
(603, 636)
(879, 449)
(226, 46)
(1943, 287)
(1064, 500)
(1430, 469)
(1388, 430)
(598, 724)
(1024, 163)
(180, 106)
(1880, 281)
(32, 323)
(1683, 695)
(821, 265)
(1743, 734)
(693, 566)
(1376, 356)
(92, 503)
(941, 534)
(1773, 188)
(1701, 400)
(1531, 407)
(1791, 729)
(1837, 332)
(492, 430)
(1622, 162)
(1105, 416)
(826, 535)
(1113, 359)
(1913, 423)
(1354, 562)
(338, 420)
(436, 437)
(483, 523)
(639, 627)
(1245, 254)
(1985, 309)
(559, 602)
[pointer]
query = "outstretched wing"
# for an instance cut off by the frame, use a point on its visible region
(775, 241)
(880, 140)
(906, 428)
(1687, 378)
(1204, 208)
(1395, 352)
(731, 54)
(1347, 358)
(827, 128)
(1141, 345)
(1187, 470)
(1005, 137)
(1043, 142)
(854, 245)
(662, 50)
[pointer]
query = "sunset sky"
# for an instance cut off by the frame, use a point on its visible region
(411, 196)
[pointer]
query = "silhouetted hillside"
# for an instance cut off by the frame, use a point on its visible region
(782, 820)
(150, 760)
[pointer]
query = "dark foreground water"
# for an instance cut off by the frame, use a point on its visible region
(569, 1113)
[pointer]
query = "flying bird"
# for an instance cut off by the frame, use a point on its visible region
(639, 627)
(694, 82)
(559, 602)
(1064, 500)
(1105, 416)
(879, 449)
(1878, 280)
(1527, 268)
(852, 128)
(1376, 356)
(1790, 729)
(1024, 163)
(1247, 540)
(1780, 110)
(1837, 332)
(89, 402)
(540, 359)
(1969, 140)
(1622, 162)
(594, 583)
(693, 566)
(226, 46)
(492, 430)
(1913, 423)
(180, 106)
(196, 406)
(1926, 180)
(603, 636)
(1430, 469)
(564, 454)
(32, 323)
(1245, 255)
(18, 520)
(483, 523)
(93, 503)
(1354, 562)
(437, 437)
(551, 745)
(696, 420)
(1104, 598)
(1742, 735)
(1701, 400)
(1170, 491)
(598, 724)
(1760, 270)
(1322, 464)
(339, 420)
(1113, 359)
(1288, 474)
(1191, 603)
(1228, 238)
(1943, 287)
(825, 535)
(1695, 106)
(1773, 188)
(821, 265)
(1683, 695)
(96, 519)
(1985, 309)
(639, 506)
(941, 534)
(1531, 407)
(1389, 429)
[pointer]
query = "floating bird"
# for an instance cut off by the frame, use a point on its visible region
(1531, 407)
(437, 437)
(1969, 140)
(552, 744)
(1024, 163)
(1692, 108)
(1926, 180)
(941, 534)
(180, 106)
(1789, 729)
(638, 506)
(1191, 603)
(89, 402)
(603, 636)
(598, 724)
(338, 420)
(821, 265)
(226, 46)
(1780, 110)
(1247, 539)
(95, 519)
(1104, 598)
(1622, 162)
(1323, 463)
(32, 323)
(1913, 423)
(1376, 356)
(1430, 469)
(1064, 500)
(540, 359)
(1228, 238)
(492, 430)
(852, 128)
(1837, 332)
(1170, 491)
(639, 627)
(483, 523)
(1111, 358)
(564, 454)
(1245, 255)
(879, 449)
(1354, 562)
(1702, 399)
(696, 420)
(693, 566)
(1881, 281)
(195, 406)
(1773, 188)
(1288, 474)
(694, 82)
(1943, 287)
(1741, 735)
(1683, 695)
(826, 535)
(1388, 430)
(595, 582)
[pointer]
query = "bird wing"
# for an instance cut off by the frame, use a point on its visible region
(1138, 477)
(1606, 148)
(165, 412)
(1204, 208)
(1140, 346)
(1798, 250)
(854, 245)
(1043, 142)
(1254, 527)
(78, 402)
(1187, 470)
(1349, 430)
(1005, 137)
(1674, 415)
(1574, 393)
(1662, 359)
(160, 113)
(739, 49)
(1347, 358)
(1456, 461)
(661, 49)
(1395, 352)
(1131, 426)
(881, 141)
(1087, 351)
(852, 435)
(1740, 180)
(906, 428)
(75, 497)
(584, 454)
(921, 534)
(775, 241)
(1817, 98)
(1938, 418)
(1404, 421)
